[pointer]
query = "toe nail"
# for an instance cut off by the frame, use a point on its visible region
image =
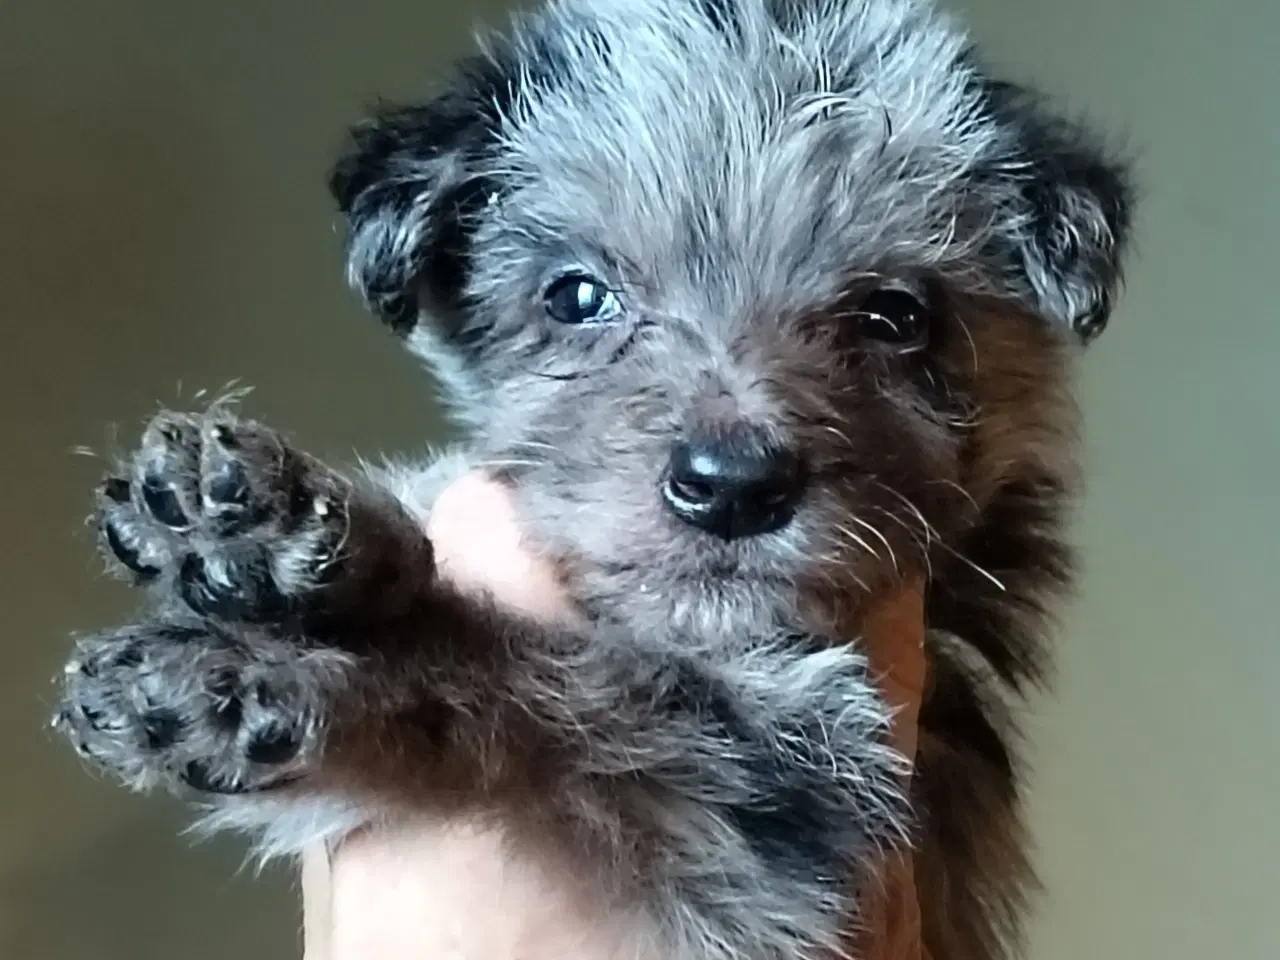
(229, 712)
(228, 708)
(222, 434)
(126, 554)
(116, 489)
(129, 657)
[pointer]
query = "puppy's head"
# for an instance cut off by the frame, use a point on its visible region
(753, 300)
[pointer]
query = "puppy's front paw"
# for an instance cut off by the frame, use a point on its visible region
(190, 709)
(223, 516)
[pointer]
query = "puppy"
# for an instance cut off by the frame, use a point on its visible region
(760, 308)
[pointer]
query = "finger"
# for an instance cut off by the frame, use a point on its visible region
(475, 530)
(317, 904)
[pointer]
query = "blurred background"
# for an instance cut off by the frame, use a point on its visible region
(164, 227)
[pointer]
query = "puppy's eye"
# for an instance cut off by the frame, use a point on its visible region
(892, 316)
(580, 299)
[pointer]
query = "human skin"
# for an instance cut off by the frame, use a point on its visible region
(415, 889)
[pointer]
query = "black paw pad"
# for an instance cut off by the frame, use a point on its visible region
(253, 597)
(228, 484)
(198, 776)
(163, 502)
(273, 746)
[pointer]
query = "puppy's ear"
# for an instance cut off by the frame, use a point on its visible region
(410, 185)
(1071, 231)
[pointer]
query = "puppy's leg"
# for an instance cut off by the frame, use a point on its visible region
(749, 794)
(303, 654)
(732, 805)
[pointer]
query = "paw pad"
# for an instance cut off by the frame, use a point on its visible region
(162, 501)
(199, 777)
(244, 591)
(228, 484)
(273, 747)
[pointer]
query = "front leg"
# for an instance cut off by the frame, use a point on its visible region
(750, 795)
(304, 658)
(735, 805)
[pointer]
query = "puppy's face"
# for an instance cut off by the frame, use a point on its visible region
(753, 301)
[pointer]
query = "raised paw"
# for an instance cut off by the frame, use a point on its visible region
(186, 708)
(222, 515)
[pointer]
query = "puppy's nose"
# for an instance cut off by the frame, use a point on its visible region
(733, 487)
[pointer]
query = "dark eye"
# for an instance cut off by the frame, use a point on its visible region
(894, 317)
(579, 298)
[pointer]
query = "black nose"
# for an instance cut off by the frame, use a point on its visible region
(733, 487)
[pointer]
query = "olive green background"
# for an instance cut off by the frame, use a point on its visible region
(164, 228)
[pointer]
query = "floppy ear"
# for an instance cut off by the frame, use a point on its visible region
(410, 185)
(1070, 235)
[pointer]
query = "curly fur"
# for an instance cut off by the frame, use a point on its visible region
(706, 746)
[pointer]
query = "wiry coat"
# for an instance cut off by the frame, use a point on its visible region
(737, 180)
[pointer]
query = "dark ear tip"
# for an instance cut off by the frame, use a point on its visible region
(343, 183)
(359, 165)
(1090, 326)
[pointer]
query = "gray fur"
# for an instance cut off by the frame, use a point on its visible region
(741, 175)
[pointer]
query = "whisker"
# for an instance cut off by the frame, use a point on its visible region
(975, 567)
(858, 540)
(879, 536)
(973, 346)
(925, 526)
(960, 489)
(838, 433)
(921, 542)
